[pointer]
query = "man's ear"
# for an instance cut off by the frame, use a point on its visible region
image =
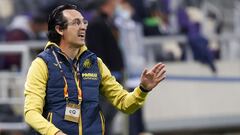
(59, 29)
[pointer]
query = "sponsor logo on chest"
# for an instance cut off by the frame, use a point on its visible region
(90, 76)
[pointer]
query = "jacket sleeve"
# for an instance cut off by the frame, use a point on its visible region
(127, 102)
(35, 92)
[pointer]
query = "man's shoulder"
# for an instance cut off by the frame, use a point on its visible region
(45, 55)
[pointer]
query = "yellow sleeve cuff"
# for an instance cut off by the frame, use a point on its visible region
(139, 93)
(52, 131)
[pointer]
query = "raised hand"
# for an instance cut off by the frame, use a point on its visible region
(151, 78)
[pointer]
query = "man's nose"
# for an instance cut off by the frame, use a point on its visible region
(83, 27)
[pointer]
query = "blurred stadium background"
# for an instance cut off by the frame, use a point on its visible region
(197, 39)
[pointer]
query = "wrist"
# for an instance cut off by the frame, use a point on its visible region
(143, 89)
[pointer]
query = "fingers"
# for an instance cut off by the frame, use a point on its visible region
(157, 72)
(160, 78)
(151, 78)
(157, 67)
(161, 72)
(144, 72)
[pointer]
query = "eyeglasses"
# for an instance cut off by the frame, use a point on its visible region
(78, 22)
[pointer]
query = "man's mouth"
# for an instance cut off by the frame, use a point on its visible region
(81, 35)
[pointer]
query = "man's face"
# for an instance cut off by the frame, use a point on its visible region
(75, 32)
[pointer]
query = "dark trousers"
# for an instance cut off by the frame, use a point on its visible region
(109, 113)
(136, 122)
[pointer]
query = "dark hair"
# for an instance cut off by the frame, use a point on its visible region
(56, 18)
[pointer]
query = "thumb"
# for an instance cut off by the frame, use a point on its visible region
(144, 72)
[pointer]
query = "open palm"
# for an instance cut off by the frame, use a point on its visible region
(151, 78)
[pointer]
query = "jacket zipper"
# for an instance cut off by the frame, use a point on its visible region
(80, 116)
(80, 122)
(102, 121)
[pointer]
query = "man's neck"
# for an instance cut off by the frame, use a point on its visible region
(71, 52)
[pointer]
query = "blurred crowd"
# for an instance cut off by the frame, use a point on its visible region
(26, 20)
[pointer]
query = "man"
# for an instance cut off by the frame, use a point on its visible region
(132, 46)
(64, 82)
(102, 39)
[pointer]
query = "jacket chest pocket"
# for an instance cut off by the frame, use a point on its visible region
(90, 90)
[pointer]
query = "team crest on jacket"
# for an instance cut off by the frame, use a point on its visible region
(87, 63)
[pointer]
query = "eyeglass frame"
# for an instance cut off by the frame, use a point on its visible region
(78, 22)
